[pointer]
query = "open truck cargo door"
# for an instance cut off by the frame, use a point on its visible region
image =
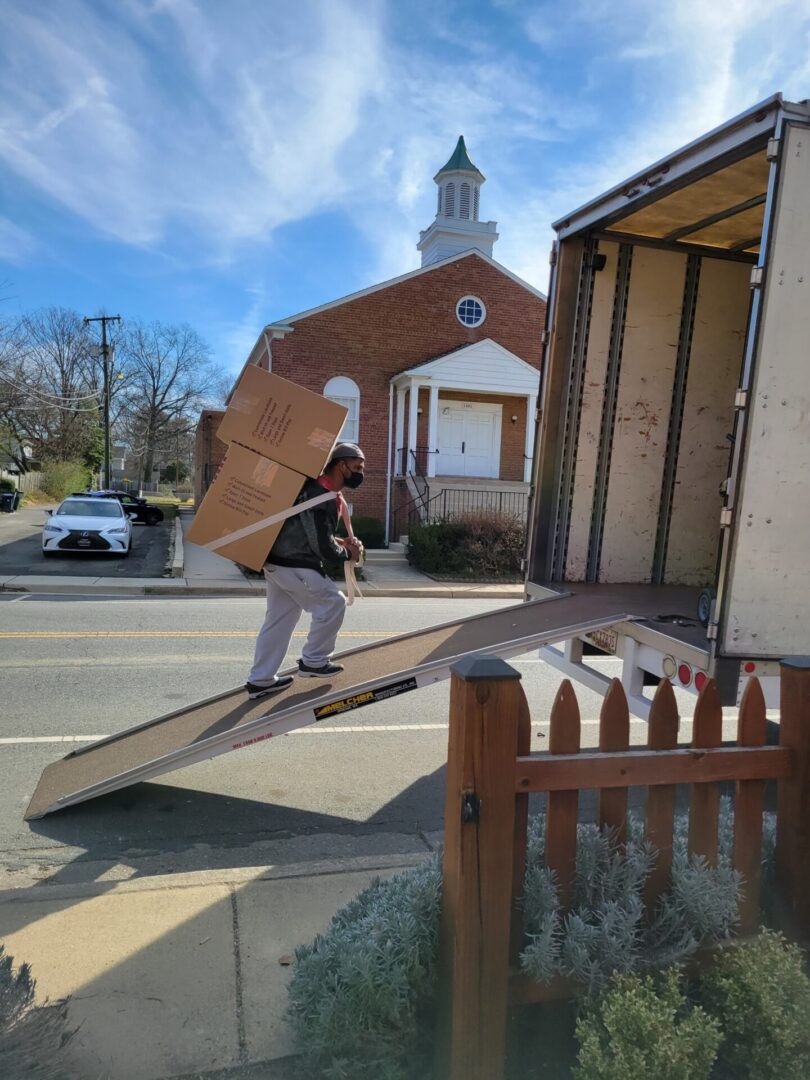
(765, 600)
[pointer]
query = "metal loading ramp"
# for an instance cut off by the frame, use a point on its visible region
(231, 721)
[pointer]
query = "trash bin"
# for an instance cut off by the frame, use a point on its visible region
(17, 499)
(7, 501)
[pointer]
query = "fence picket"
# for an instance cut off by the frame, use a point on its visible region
(524, 746)
(562, 806)
(662, 734)
(704, 799)
(748, 802)
(614, 734)
(793, 805)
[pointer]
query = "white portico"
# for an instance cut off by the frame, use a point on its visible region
(467, 394)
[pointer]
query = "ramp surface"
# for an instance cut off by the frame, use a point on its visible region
(231, 721)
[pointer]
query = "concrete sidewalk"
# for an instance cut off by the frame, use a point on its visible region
(197, 572)
(181, 975)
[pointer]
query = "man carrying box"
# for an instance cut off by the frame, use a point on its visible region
(297, 580)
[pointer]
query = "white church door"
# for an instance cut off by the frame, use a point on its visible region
(469, 439)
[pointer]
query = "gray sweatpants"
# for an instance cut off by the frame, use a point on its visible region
(290, 591)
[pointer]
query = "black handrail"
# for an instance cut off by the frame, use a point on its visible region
(455, 502)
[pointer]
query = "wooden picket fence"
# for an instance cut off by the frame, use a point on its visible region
(491, 772)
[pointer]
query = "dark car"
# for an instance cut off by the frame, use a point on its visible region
(138, 509)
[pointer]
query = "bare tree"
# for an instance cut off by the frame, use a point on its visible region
(13, 396)
(49, 397)
(167, 374)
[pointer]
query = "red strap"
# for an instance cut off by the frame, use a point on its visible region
(343, 509)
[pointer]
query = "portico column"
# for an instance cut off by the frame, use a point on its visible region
(433, 429)
(413, 419)
(399, 465)
(531, 409)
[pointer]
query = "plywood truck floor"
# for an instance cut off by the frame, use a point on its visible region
(652, 605)
(373, 672)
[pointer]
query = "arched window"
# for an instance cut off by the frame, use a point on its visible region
(476, 195)
(346, 392)
(450, 199)
(464, 201)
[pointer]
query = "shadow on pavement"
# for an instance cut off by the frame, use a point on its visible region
(156, 829)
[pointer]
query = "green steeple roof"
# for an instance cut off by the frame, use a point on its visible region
(460, 159)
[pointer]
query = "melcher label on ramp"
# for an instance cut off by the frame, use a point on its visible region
(356, 701)
(372, 674)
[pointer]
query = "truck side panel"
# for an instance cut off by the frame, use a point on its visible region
(768, 607)
(593, 395)
(651, 336)
(715, 357)
(548, 444)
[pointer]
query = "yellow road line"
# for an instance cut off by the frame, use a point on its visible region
(27, 634)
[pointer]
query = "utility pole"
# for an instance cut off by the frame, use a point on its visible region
(104, 319)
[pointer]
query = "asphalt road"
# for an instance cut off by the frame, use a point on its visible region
(368, 782)
(21, 550)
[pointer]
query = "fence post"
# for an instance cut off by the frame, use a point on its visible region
(486, 700)
(793, 802)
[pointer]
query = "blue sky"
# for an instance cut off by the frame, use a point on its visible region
(227, 163)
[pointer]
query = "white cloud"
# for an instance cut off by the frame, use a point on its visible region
(234, 340)
(17, 245)
(227, 134)
(220, 123)
(704, 64)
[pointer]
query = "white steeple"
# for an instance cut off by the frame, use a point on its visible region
(456, 227)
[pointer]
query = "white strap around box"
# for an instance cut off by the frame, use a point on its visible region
(352, 589)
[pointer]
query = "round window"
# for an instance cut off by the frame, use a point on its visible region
(470, 311)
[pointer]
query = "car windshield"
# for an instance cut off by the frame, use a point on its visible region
(100, 508)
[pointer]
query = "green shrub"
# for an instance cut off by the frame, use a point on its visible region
(31, 1036)
(475, 546)
(368, 529)
(362, 993)
(644, 1027)
(759, 993)
(608, 928)
(6, 484)
(60, 478)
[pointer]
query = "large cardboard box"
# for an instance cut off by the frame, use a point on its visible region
(282, 421)
(247, 488)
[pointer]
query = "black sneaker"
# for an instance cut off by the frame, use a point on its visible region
(326, 671)
(281, 683)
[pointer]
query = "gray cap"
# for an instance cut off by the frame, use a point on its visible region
(346, 450)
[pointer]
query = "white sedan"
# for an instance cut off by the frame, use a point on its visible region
(100, 526)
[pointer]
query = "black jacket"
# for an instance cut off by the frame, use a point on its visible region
(307, 540)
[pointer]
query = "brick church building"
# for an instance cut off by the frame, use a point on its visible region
(439, 368)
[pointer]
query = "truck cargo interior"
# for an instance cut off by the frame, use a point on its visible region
(645, 375)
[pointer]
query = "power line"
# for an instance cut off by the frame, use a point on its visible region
(49, 397)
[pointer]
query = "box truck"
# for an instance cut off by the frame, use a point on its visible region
(672, 458)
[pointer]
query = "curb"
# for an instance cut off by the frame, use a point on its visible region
(177, 560)
(178, 586)
(33, 894)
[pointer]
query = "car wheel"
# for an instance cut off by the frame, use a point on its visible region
(152, 517)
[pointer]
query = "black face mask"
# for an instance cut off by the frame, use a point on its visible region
(354, 480)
